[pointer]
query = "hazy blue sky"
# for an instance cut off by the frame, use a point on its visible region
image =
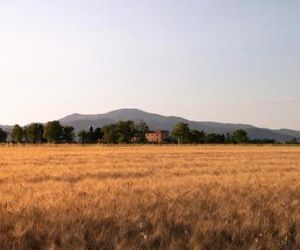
(229, 61)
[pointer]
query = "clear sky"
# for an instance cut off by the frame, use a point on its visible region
(227, 61)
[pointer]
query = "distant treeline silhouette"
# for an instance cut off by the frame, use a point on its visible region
(121, 132)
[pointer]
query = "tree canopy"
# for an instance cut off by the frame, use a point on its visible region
(181, 132)
(3, 135)
(17, 134)
(240, 136)
(122, 132)
(110, 133)
(68, 134)
(53, 132)
(34, 133)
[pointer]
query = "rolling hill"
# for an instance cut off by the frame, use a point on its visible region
(6, 127)
(156, 121)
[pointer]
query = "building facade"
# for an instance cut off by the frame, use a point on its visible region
(158, 136)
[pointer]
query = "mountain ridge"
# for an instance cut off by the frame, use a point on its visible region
(158, 121)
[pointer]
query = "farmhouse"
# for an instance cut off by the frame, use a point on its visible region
(157, 136)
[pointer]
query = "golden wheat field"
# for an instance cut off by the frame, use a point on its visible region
(149, 197)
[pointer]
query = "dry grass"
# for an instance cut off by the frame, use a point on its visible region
(206, 197)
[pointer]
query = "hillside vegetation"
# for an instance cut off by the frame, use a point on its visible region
(149, 197)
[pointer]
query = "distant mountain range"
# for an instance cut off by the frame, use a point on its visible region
(5, 127)
(156, 121)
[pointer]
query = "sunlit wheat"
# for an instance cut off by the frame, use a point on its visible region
(149, 197)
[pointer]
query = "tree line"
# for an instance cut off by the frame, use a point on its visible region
(184, 135)
(121, 132)
(54, 132)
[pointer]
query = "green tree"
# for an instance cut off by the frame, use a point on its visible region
(98, 134)
(214, 138)
(3, 135)
(211, 138)
(181, 132)
(91, 135)
(141, 130)
(53, 132)
(110, 133)
(17, 134)
(34, 133)
(83, 137)
(240, 136)
(68, 134)
(228, 138)
(197, 136)
(125, 131)
(142, 127)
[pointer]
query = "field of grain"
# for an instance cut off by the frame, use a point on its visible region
(151, 197)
